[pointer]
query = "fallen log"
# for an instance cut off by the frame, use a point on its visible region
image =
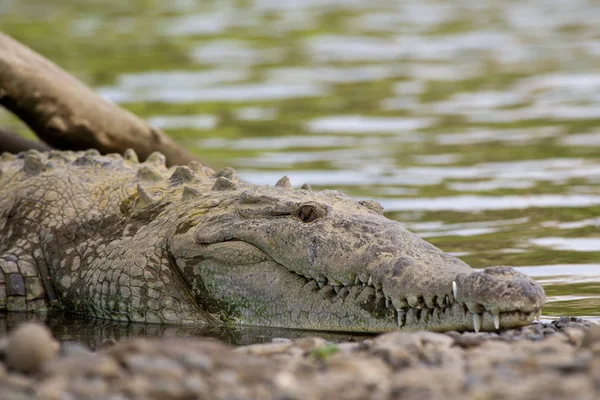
(66, 114)
(14, 143)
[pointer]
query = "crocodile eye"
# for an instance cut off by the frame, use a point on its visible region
(308, 214)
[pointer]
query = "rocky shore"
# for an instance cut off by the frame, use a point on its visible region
(555, 360)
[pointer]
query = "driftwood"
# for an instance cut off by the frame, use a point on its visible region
(14, 143)
(66, 114)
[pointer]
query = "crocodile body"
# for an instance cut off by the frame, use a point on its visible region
(110, 237)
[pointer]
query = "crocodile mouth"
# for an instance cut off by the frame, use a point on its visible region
(446, 313)
(266, 292)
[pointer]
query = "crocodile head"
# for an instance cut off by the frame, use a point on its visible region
(275, 256)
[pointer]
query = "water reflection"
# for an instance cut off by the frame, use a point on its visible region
(91, 332)
(565, 270)
(481, 203)
(366, 125)
(200, 121)
(238, 93)
(572, 244)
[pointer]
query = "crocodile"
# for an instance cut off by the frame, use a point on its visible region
(111, 237)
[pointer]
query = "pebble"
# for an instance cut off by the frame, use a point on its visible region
(575, 335)
(265, 349)
(467, 339)
(29, 346)
(155, 366)
(311, 343)
(200, 362)
(83, 364)
(591, 340)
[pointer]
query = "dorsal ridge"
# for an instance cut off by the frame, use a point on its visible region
(144, 198)
(284, 182)
(222, 184)
(190, 193)
(181, 175)
(131, 156)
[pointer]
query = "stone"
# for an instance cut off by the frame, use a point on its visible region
(591, 340)
(574, 335)
(29, 347)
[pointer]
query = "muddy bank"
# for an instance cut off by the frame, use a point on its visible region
(558, 360)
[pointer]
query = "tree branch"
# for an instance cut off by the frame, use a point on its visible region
(14, 143)
(67, 114)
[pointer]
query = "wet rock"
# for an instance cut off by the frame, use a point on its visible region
(29, 346)
(72, 348)
(555, 387)
(533, 332)
(83, 364)
(534, 336)
(16, 387)
(198, 362)
(53, 389)
(348, 347)
(265, 349)
(575, 335)
(155, 366)
(547, 331)
(511, 335)
(281, 340)
(308, 344)
(106, 344)
(591, 340)
(342, 378)
(137, 387)
(488, 355)
(195, 384)
(410, 341)
(398, 349)
(418, 383)
(440, 341)
(467, 339)
(595, 371)
(88, 388)
(574, 322)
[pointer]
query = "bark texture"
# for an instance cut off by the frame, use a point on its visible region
(66, 114)
(14, 143)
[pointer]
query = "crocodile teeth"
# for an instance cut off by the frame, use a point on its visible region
(401, 314)
(370, 283)
(321, 284)
(449, 301)
(477, 322)
(387, 303)
(497, 321)
(356, 281)
(538, 315)
(337, 288)
(454, 288)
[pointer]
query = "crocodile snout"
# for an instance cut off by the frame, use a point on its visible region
(498, 291)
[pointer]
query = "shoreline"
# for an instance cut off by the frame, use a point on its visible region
(543, 360)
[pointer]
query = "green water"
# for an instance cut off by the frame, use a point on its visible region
(475, 123)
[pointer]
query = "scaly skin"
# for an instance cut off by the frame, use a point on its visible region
(110, 237)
